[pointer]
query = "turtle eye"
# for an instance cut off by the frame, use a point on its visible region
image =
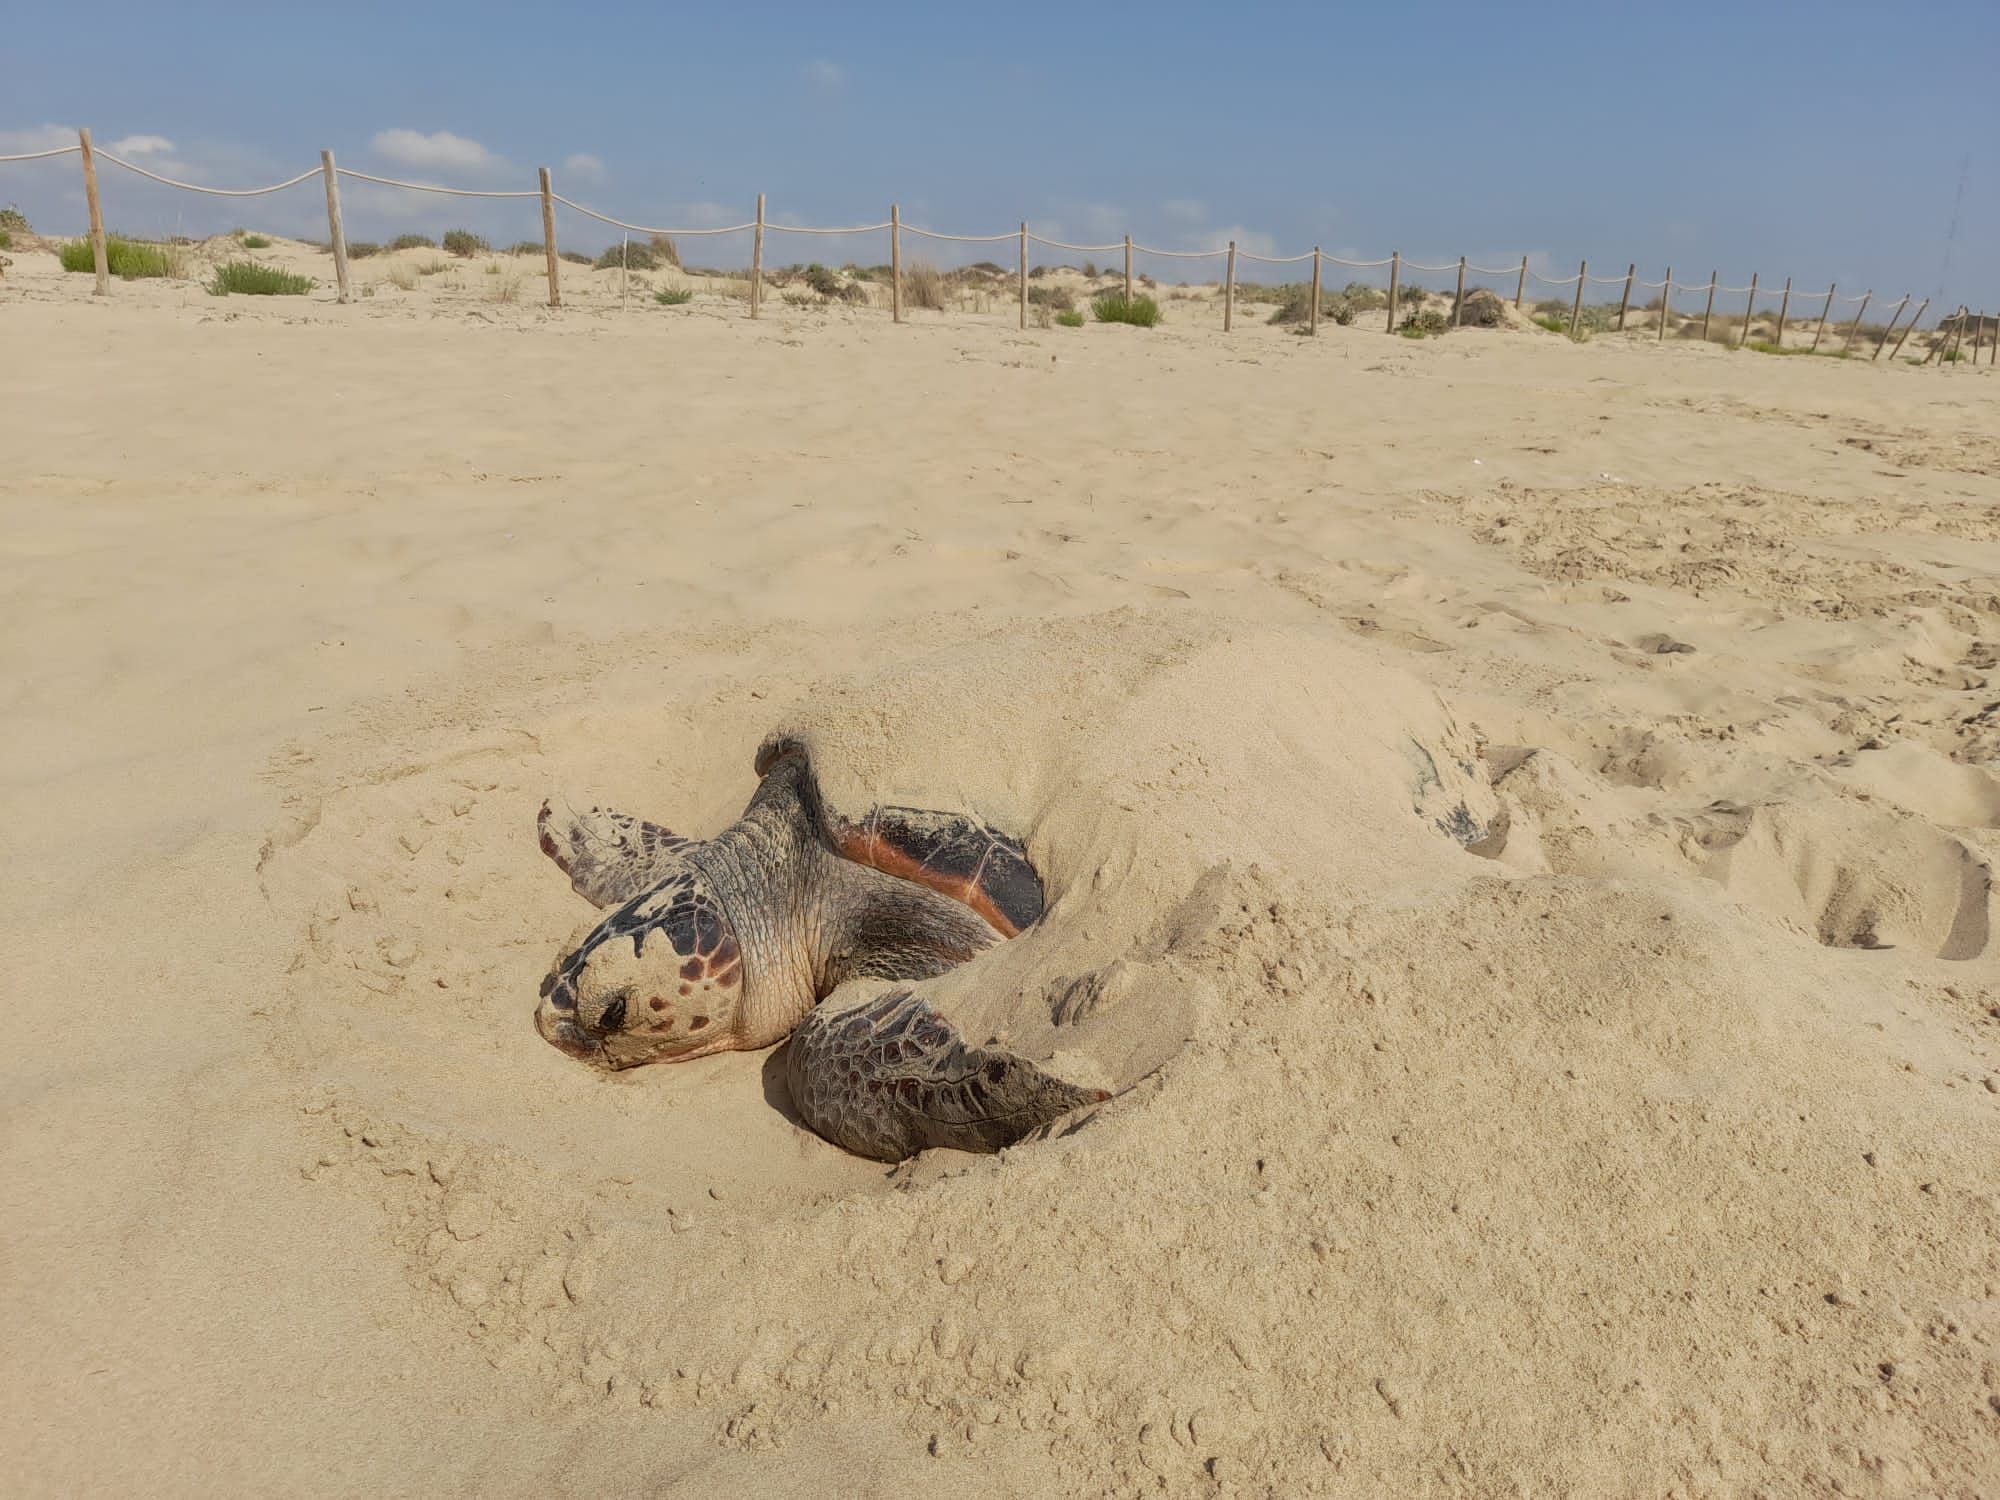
(613, 1017)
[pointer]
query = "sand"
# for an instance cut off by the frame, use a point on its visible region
(1652, 1147)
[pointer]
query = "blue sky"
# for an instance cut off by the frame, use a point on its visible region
(1829, 142)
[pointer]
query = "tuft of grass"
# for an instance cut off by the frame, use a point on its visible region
(13, 221)
(1055, 298)
(1115, 307)
(923, 286)
(678, 296)
(403, 277)
(663, 246)
(1295, 305)
(247, 278)
(574, 257)
(129, 259)
(525, 247)
(433, 268)
(413, 242)
(463, 243)
(1765, 346)
(1427, 324)
(362, 249)
(507, 289)
(6, 240)
(1070, 319)
(254, 241)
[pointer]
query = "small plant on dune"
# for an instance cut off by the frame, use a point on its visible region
(403, 277)
(125, 258)
(247, 278)
(1055, 298)
(1296, 307)
(1427, 324)
(6, 239)
(1115, 307)
(629, 256)
(574, 257)
(525, 247)
(413, 242)
(1070, 319)
(255, 241)
(1765, 346)
(674, 296)
(463, 243)
(923, 286)
(433, 268)
(362, 249)
(1551, 322)
(507, 289)
(13, 221)
(663, 246)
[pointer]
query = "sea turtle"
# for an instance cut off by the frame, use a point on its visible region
(741, 940)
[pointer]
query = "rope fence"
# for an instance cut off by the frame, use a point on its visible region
(1950, 330)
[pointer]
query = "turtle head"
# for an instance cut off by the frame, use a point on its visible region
(659, 980)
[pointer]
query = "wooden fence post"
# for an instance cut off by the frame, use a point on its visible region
(895, 263)
(336, 234)
(1830, 286)
(1576, 307)
(1855, 327)
(1626, 300)
(1128, 268)
(1521, 286)
(549, 240)
(1229, 292)
(1666, 304)
(1784, 307)
(1709, 311)
(1891, 327)
(1395, 281)
(757, 264)
(1312, 318)
(1024, 274)
(1458, 304)
(1748, 308)
(97, 250)
(1916, 318)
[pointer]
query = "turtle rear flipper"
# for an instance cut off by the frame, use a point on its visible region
(957, 856)
(891, 1078)
(609, 856)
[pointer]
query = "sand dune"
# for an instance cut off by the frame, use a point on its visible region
(1648, 1146)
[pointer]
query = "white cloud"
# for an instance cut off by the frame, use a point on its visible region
(1186, 210)
(586, 166)
(826, 77)
(412, 148)
(1248, 241)
(143, 145)
(36, 138)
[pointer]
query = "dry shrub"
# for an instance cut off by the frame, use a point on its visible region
(923, 286)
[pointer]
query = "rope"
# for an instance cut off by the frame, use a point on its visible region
(963, 239)
(277, 187)
(426, 187)
(1736, 289)
(1359, 265)
(1648, 285)
(1274, 260)
(1547, 281)
(1482, 270)
(1179, 254)
(1608, 280)
(801, 229)
(39, 155)
(1085, 249)
(591, 213)
(1410, 265)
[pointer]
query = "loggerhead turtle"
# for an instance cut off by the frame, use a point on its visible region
(734, 942)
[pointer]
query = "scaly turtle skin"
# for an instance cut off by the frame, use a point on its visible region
(734, 942)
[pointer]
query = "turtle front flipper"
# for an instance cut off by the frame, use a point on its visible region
(891, 1078)
(610, 857)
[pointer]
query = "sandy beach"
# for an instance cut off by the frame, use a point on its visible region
(1649, 1147)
